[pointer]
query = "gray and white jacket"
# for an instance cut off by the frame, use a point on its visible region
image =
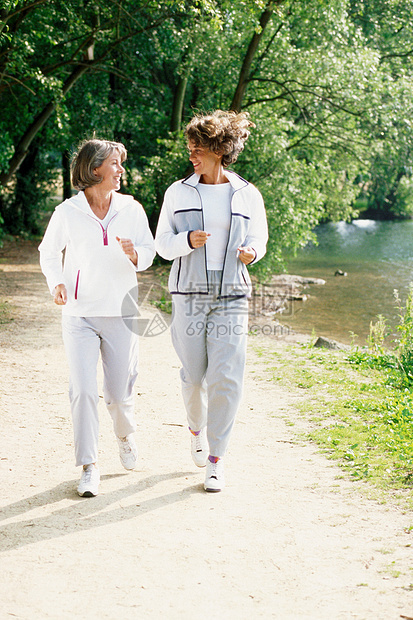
(182, 212)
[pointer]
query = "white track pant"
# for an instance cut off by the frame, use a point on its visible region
(84, 338)
(210, 337)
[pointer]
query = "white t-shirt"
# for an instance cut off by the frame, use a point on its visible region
(216, 200)
(107, 217)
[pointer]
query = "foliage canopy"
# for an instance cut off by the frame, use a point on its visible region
(328, 84)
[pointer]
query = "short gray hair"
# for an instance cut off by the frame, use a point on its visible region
(90, 155)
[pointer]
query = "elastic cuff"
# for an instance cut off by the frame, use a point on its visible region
(189, 240)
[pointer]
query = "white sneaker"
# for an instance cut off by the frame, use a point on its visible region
(128, 451)
(199, 448)
(214, 476)
(89, 481)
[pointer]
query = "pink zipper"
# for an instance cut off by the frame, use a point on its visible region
(77, 283)
(104, 232)
(105, 242)
(105, 236)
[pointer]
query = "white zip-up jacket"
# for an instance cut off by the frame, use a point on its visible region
(182, 212)
(96, 272)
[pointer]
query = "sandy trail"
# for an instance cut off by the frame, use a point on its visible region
(287, 539)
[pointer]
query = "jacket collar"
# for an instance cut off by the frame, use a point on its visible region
(235, 180)
(118, 201)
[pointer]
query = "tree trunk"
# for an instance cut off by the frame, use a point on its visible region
(249, 56)
(67, 185)
(178, 104)
(19, 215)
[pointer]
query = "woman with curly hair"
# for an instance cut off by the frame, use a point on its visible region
(212, 225)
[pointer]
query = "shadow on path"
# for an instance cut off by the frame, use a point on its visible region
(83, 514)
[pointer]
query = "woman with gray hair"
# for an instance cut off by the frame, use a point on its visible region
(105, 238)
(212, 225)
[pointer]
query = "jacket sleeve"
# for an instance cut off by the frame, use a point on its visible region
(51, 248)
(144, 243)
(258, 231)
(170, 243)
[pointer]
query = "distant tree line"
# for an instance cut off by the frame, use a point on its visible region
(327, 82)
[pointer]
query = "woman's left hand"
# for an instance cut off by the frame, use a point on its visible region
(127, 247)
(246, 254)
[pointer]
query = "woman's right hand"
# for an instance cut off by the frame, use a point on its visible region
(198, 238)
(60, 295)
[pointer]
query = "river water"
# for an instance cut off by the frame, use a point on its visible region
(377, 257)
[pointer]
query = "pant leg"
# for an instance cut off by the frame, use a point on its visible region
(189, 340)
(226, 349)
(82, 345)
(119, 350)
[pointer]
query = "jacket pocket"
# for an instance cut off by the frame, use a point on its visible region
(174, 276)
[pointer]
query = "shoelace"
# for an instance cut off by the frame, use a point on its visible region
(214, 473)
(125, 445)
(198, 446)
(87, 474)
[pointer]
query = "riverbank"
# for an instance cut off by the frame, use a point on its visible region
(377, 257)
(289, 538)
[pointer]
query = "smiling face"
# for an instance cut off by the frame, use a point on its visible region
(111, 171)
(206, 163)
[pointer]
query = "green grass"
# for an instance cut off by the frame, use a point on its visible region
(354, 415)
(164, 303)
(163, 299)
(5, 313)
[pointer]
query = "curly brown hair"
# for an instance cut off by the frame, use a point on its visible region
(221, 132)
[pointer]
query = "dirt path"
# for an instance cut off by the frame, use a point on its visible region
(287, 539)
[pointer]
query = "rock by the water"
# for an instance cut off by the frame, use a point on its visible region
(286, 279)
(274, 297)
(328, 343)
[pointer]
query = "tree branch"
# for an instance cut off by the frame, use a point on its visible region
(267, 48)
(22, 147)
(396, 55)
(249, 56)
(304, 90)
(37, 124)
